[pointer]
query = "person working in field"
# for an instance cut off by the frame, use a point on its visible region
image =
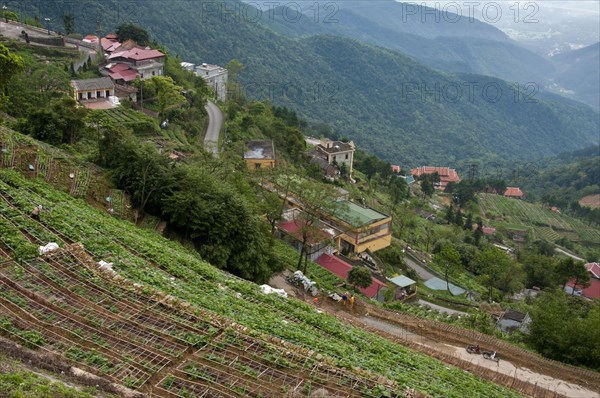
(35, 213)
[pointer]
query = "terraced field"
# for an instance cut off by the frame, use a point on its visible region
(539, 221)
(166, 323)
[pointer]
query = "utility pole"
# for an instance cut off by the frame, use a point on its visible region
(48, 24)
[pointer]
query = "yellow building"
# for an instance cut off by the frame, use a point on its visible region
(363, 228)
(260, 154)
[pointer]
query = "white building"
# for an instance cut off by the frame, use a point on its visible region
(188, 66)
(216, 78)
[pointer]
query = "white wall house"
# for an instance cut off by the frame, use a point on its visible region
(216, 78)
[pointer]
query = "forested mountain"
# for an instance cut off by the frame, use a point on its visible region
(567, 177)
(579, 71)
(463, 46)
(389, 104)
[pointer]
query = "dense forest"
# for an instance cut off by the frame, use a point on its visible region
(387, 103)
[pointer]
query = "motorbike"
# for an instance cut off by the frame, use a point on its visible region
(491, 356)
(473, 349)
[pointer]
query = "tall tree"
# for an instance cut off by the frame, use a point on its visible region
(10, 64)
(449, 260)
(127, 31)
(360, 277)
(575, 271)
(316, 201)
(494, 266)
(68, 19)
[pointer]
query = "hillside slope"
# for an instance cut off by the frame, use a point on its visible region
(196, 344)
(377, 97)
(458, 47)
(579, 71)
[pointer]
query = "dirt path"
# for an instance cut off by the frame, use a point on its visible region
(503, 366)
(449, 346)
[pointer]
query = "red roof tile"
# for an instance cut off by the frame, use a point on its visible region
(127, 75)
(446, 174)
(119, 67)
(342, 268)
(315, 234)
(513, 192)
(592, 291)
(594, 268)
(137, 54)
(488, 230)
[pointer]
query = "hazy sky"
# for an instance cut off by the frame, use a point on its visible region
(591, 7)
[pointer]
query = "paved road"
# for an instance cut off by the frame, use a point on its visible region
(568, 254)
(13, 31)
(440, 308)
(422, 272)
(215, 122)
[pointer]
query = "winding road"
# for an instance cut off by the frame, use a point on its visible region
(215, 122)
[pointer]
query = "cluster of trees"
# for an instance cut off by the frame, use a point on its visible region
(566, 329)
(464, 191)
(492, 267)
(249, 120)
(203, 201)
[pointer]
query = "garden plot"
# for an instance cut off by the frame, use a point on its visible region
(546, 224)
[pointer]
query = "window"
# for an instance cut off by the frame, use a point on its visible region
(153, 73)
(257, 165)
(142, 75)
(346, 156)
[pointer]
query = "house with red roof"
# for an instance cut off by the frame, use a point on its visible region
(593, 290)
(321, 238)
(144, 61)
(446, 174)
(91, 39)
(513, 192)
(341, 268)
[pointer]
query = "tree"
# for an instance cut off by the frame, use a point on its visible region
(571, 270)
(398, 190)
(316, 201)
(427, 184)
(494, 266)
(220, 221)
(469, 222)
(449, 214)
(10, 64)
(360, 277)
(540, 271)
(404, 218)
(127, 31)
(168, 94)
(458, 218)
(563, 328)
(68, 19)
(449, 260)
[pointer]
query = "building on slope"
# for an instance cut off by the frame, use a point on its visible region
(593, 290)
(341, 268)
(446, 174)
(331, 155)
(97, 89)
(259, 154)
(363, 228)
(513, 192)
(215, 77)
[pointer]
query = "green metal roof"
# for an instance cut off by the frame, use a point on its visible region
(357, 216)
